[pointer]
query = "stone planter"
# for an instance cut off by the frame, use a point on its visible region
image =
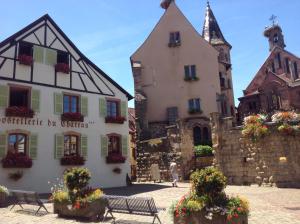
(199, 218)
(204, 161)
(3, 199)
(92, 211)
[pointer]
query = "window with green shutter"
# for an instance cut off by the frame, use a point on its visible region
(58, 103)
(84, 105)
(125, 145)
(4, 91)
(38, 54)
(35, 100)
(3, 144)
(104, 146)
(84, 146)
(51, 57)
(59, 146)
(102, 107)
(124, 109)
(33, 146)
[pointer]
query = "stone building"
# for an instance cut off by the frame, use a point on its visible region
(180, 77)
(276, 86)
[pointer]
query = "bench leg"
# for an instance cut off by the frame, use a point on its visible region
(110, 215)
(41, 206)
(156, 217)
(15, 205)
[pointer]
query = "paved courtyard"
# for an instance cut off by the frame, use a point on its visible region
(268, 205)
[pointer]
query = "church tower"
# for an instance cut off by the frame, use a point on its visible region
(275, 35)
(213, 34)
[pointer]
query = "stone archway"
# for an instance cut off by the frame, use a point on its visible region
(197, 135)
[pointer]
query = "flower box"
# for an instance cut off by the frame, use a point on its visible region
(19, 112)
(72, 117)
(195, 111)
(62, 67)
(191, 78)
(92, 210)
(16, 160)
(72, 161)
(25, 59)
(115, 120)
(115, 158)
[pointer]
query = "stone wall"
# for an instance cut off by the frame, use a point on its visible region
(273, 160)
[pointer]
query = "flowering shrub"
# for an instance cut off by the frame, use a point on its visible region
(116, 120)
(203, 150)
(115, 158)
(19, 112)
(62, 67)
(16, 160)
(72, 117)
(286, 117)
(72, 160)
(254, 127)
(236, 207)
(4, 190)
(25, 59)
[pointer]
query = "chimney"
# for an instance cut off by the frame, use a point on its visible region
(165, 3)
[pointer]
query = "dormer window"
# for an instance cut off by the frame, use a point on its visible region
(25, 53)
(175, 39)
(62, 62)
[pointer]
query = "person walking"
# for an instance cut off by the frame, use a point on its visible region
(174, 173)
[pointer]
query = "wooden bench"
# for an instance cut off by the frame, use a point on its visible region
(26, 197)
(132, 205)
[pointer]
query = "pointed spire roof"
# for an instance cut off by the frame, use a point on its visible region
(211, 29)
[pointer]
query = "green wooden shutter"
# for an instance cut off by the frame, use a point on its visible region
(51, 57)
(124, 109)
(35, 100)
(102, 107)
(59, 146)
(104, 146)
(3, 144)
(4, 91)
(58, 103)
(84, 105)
(33, 146)
(38, 54)
(84, 145)
(125, 145)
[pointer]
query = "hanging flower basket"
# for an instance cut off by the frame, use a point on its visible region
(62, 67)
(115, 120)
(115, 158)
(19, 112)
(72, 161)
(16, 160)
(25, 59)
(72, 117)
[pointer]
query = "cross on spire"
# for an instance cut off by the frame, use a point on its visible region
(273, 19)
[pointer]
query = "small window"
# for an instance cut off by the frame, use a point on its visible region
(287, 65)
(194, 105)
(296, 70)
(25, 49)
(175, 39)
(71, 104)
(222, 80)
(172, 114)
(114, 144)
(112, 108)
(62, 57)
(17, 143)
(71, 143)
(18, 97)
(275, 38)
(190, 72)
(279, 60)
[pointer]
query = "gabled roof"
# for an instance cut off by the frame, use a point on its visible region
(211, 29)
(94, 72)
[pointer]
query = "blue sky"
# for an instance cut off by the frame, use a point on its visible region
(109, 31)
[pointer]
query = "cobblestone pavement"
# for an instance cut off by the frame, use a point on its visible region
(268, 205)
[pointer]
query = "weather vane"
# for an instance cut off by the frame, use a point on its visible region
(273, 19)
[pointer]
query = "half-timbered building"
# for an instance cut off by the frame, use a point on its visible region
(58, 109)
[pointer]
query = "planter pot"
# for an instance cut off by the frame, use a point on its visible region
(199, 218)
(92, 211)
(3, 200)
(204, 161)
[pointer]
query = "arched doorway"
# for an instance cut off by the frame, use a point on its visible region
(197, 136)
(206, 138)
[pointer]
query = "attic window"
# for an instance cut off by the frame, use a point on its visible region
(62, 57)
(25, 49)
(175, 39)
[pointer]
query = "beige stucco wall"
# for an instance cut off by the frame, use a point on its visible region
(162, 77)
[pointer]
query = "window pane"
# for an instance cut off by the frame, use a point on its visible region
(74, 104)
(187, 71)
(191, 105)
(172, 38)
(12, 142)
(21, 144)
(197, 104)
(193, 71)
(66, 104)
(177, 37)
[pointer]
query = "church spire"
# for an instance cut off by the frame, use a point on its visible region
(274, 34)
(211, 29)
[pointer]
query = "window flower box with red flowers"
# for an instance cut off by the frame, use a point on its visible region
(72, 117)
(19, 112)
(25, 59)
(72, 161)
(16, 160)
(114, 158)
(115, 120)
(62, 67)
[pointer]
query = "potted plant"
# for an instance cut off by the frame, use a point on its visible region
(76, 199)
(254, 127)
(208, 203)
(3, 196)
(16, 160)
(25, 59)
(117, 170)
